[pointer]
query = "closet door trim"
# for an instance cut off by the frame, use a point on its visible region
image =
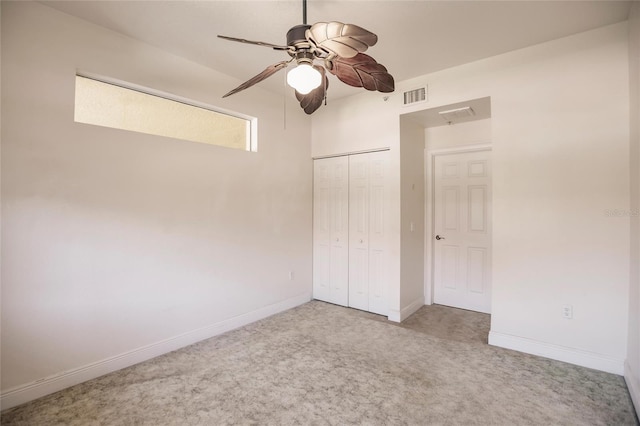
(346, 154)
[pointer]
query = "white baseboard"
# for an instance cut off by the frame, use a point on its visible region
(404, 313)
(633, 384)
(557, 352)
(45, 386)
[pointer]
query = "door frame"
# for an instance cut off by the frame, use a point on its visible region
(429, 207)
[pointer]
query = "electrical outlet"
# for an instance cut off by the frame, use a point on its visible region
(567, 311)
(290, 275)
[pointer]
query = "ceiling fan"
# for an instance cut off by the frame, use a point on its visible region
(338, 47)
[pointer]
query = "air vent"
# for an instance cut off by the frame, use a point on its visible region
(457, 114)
(415, 96)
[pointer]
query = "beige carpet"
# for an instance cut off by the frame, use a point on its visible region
(323, 364)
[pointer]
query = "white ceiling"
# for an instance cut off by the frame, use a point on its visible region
(414, 37)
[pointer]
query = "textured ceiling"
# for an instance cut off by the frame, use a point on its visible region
(415, 37)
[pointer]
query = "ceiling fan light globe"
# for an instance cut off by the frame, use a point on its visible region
(304, 78)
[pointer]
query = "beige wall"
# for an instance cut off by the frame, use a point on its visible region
(118, 246)
(632, 370)
(560, 138)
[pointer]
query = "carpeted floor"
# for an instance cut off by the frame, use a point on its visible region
(324, 364)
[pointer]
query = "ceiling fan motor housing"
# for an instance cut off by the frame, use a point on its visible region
(297, 38)
(297, 35)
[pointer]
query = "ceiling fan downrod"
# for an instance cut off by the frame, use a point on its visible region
(297, 34)
(304, 12)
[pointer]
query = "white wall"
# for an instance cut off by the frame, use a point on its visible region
(458, 135)
(118, 246)
(560, 156)
(412, 191)
(632, 367)
(560, 137)
(352, 125)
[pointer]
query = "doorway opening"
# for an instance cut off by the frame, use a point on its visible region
(457, 261)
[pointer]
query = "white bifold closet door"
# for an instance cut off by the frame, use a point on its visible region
(331, 230)
(350, 231)
(368, 233)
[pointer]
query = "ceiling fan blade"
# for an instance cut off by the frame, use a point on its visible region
(268, 72)
(345, 40)
(313, 100)
(362, 71)
(258, 43)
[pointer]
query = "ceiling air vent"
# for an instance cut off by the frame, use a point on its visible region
(453, 115)
(415, 96)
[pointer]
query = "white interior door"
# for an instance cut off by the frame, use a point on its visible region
(462, 226)
(330, 230)
(368, 232)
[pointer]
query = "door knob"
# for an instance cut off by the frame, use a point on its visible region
(438, 237)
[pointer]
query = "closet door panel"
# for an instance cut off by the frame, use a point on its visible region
(378, 232)
(339, 208)
(359, 232)
(321, 231)
(330, 230)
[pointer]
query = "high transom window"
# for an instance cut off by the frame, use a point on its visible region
(148, 111)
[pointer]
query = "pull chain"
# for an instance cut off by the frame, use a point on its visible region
(284, 103)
